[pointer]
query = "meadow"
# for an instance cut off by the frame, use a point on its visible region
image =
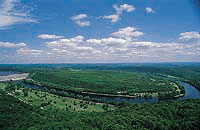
(47, 101)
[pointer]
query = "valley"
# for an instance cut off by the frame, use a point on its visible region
(67, 96)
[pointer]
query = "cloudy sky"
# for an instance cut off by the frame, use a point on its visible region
(99, 31)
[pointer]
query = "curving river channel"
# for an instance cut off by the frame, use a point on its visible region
(190, 93)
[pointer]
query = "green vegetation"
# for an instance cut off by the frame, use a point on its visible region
(182, 115)
(105, 82)
(47, 101)
(2, 86)
(60, 105)
(185, 71)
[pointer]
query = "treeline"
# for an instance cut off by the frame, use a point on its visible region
(110, 82)
(187, 71)
(180, 115)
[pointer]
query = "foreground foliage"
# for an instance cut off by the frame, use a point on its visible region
(24, 114)
(182, 115)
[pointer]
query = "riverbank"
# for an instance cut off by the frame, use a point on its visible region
(142, 95)
(113, 99)
(108, 95)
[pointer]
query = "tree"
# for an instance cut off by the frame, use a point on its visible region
(75, 103)
(105, 107)
(25, 92)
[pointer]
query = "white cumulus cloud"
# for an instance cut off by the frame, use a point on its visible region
(74, 46)
(80, 20)
(12, 45)
(119, 10)
(49, 36)
(128, 33)
(118, 46)
(29, 52)
(110, 41)
(71, 42)
(186, 36)
(149, 10)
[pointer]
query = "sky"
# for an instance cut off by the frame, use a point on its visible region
(99, 31)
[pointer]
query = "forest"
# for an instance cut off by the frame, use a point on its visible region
(182, 115)
(106, 82)
(58, 105)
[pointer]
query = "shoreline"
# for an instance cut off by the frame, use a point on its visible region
(141, 95)
(109, 95)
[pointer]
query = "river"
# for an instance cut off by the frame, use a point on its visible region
(6, 73)
(190, 93)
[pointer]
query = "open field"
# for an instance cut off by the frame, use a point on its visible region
(45, 100)
(2, 86)
(51, 101)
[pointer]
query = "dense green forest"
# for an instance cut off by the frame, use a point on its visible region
(187, 71)
(109, 82)
(182, 115)
(54, 108)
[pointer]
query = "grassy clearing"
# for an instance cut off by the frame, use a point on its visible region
(45, 100)
(2, 86)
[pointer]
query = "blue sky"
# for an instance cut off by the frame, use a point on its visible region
(99, 31)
